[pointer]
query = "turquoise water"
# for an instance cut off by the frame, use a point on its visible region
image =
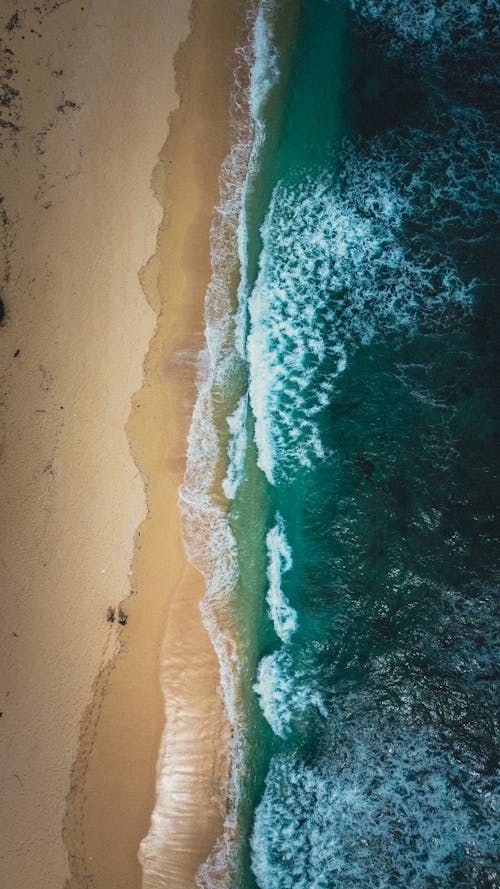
(365, 455)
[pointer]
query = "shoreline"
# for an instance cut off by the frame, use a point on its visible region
(113, 797)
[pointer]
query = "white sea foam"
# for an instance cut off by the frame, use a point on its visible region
(265, 69)
(279, 561)
(286, 694)
(384, 807)
(237, 422)
(454, 182)
(264, 77)
(338, 269)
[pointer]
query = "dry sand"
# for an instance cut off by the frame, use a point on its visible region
(92, 85)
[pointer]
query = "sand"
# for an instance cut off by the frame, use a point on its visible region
(113, 789)
(81, 703)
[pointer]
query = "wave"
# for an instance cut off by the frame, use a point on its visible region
(371, 812)
(351, 255)
(279, 562)
(264, 77)
(237, 423)
(286, 693)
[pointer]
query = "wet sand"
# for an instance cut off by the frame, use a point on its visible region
(113, 782)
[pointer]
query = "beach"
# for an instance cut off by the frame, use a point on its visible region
(165, 624)
(249, 444)
(82, 709)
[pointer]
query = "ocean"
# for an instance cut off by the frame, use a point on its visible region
(342, 489)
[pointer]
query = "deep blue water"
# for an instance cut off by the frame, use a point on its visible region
(368, 524)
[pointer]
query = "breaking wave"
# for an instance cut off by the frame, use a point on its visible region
(287, 694)
(279, 558)
(347, 257)
(237, 423)
(371, 812)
